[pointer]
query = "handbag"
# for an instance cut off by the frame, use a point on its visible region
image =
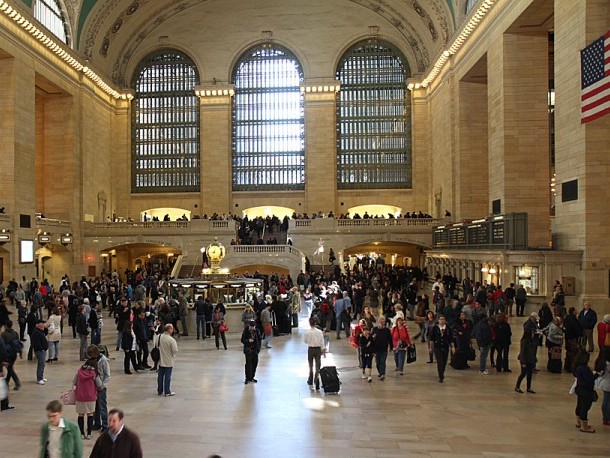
(155, 353)
(51, 328)
(3, 389)
(223, 328)
(411, 354)
(67, 397)
(471, 355)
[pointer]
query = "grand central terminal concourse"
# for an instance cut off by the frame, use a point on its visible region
(282, 152)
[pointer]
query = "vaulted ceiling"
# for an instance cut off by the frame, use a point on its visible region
(110, 33)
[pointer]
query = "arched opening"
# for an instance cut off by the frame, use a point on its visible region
(165, 214)
(268, 210)
(375, 211)
(52, 262)
(155, 259)
(5, 262)
(398, 254)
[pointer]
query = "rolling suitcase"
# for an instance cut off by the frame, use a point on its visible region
(330, 379)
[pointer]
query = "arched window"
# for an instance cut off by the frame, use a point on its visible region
(49, 14)
(373, 118)
(165, 124)
(268, 121)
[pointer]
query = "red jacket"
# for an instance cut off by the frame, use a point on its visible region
(86, 384)
(603, 329)
(400, 334)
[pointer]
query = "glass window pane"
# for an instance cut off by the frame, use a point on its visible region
(49, 14)
(268, 121)
(165, 124)
(373, 118)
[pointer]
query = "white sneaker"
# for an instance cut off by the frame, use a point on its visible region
(370, 379)
(44, 379)
(40, 382)
(363, 376)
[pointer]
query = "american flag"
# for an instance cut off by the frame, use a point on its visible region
(595, 79)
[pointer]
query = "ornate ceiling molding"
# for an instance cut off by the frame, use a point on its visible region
(431, 13)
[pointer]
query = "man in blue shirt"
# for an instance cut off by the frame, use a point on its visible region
(342, 314)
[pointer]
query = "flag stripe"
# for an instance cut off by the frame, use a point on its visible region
(595, 78)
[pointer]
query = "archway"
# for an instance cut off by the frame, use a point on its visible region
(397, 254)
(268, 210)
(375, 210)
(52, 263)
(154, 258)
(163, 213)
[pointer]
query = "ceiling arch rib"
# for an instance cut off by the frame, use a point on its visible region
(112, 30)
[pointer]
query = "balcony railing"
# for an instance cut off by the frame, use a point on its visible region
(334, 224)
(264, 249)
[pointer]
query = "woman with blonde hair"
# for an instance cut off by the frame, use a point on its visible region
(247, 316)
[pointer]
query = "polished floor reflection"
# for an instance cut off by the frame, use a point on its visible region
(213, 411)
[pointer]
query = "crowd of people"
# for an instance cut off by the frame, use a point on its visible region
(371, 306)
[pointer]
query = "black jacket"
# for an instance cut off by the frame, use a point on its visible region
(441, 341)
(81, 325)
(382, 339)
(251, 347)
(39, 341)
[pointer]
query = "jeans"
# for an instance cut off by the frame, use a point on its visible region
(10, 373)
(606, 407)
(41, 362)
(313, 355)
(218, 334)
(142, 353)
(164, 380)
(267, 340)
(526, 371)
(502, 358)
(119, 339)
(54, 349)
(399, 359)
(343, 321)
(96, 336)
(83, 346)
(380, 360)
(200, 326)
(483, 357)
(100, 417)
(589, 338)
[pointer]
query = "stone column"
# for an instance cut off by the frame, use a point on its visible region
(421, 194)
(518, 161)
(581, 152)
(471, 171)
(320, 145)
(17, 156)
(216, 153)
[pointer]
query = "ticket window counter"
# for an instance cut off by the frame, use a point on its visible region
(529, 277)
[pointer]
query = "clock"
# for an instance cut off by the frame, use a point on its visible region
(216, 251)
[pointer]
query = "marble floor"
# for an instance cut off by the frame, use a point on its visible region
(213, 412)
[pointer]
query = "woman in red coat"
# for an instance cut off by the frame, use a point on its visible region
(603, 332)
(401, 340)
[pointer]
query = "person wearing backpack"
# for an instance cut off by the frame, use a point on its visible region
(86, 383)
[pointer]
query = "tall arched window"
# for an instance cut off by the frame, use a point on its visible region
(373, 118)
(49, 14)
(165, 124)
(268, 121)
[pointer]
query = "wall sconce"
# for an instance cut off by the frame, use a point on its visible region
(5, 236)
(44, 238)
(66, 239)
(484, 269)
(492, 270)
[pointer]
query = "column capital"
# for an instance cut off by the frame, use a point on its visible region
(215, 94)
(316, 89)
